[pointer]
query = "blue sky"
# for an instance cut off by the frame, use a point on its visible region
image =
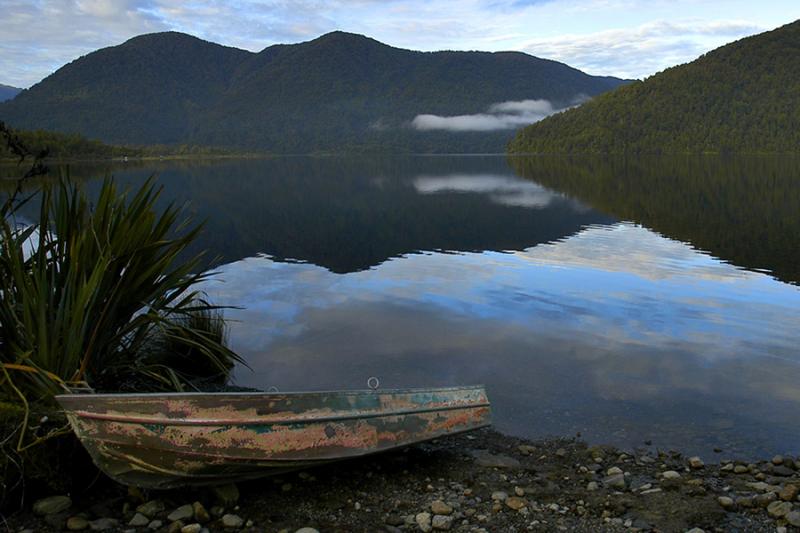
(627, 38)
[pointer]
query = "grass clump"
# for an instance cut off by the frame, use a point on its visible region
(98, 295)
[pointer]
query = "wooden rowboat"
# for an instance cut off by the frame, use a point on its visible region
(170, 440)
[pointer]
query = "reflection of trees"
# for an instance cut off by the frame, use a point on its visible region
(349, 214)
(745, 210)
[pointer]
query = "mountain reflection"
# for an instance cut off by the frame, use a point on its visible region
(350, 214)
(743, 209)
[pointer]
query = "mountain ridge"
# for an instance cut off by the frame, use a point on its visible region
(7, 92)
(338, 91)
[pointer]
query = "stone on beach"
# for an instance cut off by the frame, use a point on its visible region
(151, 509)
(184, 512)
(439, 507)
(52, 505)
(232, 521)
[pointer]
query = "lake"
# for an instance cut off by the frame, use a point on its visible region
(625, 300)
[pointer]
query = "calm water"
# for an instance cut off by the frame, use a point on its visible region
(623, 300)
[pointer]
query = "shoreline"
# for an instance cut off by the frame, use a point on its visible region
(478, 482)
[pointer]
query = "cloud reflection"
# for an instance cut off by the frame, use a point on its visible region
(616, 332)
(504, 190)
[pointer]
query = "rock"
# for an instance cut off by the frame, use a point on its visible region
(441, 508)
(232, 521)
(191, 528)
(789, 493)
(613, 471)
(306, 530)
(519, 491)
(499, 496)
(760, 486)
(175, 527)
(526, 450)
(782, 471)
(763, 500)
(793, 518)
(200, 513)
(777, 460)
(670, 474)
(561, 452)
(592, 486)
(155, 524)
(442, 523)
(151, 509)
(52, 505)
(77, 523)
(227, 495)
(423, 521)
(778, 509)
(696, 530)
(182, 513)
(139, 520)
(103, 524)
(726, 503)
(696, 463)
(615, 482)
(740, 469)
(489, 460)
(515, 502)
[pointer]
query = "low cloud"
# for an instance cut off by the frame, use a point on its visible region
(499, 116)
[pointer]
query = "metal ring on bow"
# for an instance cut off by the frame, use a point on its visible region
(373, 383)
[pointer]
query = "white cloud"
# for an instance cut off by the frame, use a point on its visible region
(648, 48)
(500, 116)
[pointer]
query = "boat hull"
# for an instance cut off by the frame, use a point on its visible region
(171, 440)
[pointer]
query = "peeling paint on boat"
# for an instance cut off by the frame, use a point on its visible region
(169, 440)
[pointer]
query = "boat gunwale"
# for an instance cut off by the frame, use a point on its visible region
(266, 421)
(170, 395)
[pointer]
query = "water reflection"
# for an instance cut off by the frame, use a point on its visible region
(676, 326)
(743, 209)
(350, 214)
(616, 332)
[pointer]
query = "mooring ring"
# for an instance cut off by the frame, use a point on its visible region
(273, 389)
(373, 383)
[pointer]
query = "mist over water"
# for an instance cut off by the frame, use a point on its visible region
(628, 301)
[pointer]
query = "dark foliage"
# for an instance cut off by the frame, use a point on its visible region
(743, 97)
(340, 91)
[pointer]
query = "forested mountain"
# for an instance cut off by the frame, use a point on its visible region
(8, 92)
(742, 97)
(338, 91)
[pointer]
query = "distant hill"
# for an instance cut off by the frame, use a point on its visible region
(742, 97)
(8, 92)
(338, 91)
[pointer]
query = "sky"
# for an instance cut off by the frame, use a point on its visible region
(625, 38)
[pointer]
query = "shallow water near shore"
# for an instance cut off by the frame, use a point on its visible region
(628, 301)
